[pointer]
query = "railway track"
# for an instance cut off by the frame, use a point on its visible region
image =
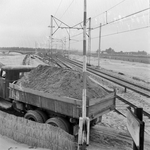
(121, 102)
(121, 106)
(127, 84)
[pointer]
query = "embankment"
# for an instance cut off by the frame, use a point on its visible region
(35, 134)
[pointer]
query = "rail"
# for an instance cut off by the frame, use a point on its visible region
(127, 84)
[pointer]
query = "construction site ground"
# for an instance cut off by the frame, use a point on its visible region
(111, 134)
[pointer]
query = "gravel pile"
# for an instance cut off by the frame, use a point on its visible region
(61, 82)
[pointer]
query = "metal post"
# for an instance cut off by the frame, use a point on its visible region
(49, 45)
(62, 44)
(65, 43)
(99, 49)
(139, 114)
(84, 65)
(69, 44)
(51, 33)
(84, 122)
(69, 40)
(106, 17)
(35, 48)
(89, 40)
(149, 14)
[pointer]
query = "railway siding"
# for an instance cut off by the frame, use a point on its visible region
(127, 98)
(143, 89)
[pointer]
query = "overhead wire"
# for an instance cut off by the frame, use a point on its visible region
(127, 16)
(113, 20)
(77, 34)
(116, 20)
(67, 9)
(122, 18)
(108, 9)
(92, 17)
(121, 32)
(125, 31)
(99, 15)
(58, 8)
(76, 41)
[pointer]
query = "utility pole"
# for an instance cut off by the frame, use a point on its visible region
(51, 32)
(84, 64)
(49, 45)
(69, 44)
(149, 14)
(106, 17)
(84, 122)
(65, 43)
(35, 48)
(62, 44)
(99, 49)
(89, 40)
(69, 40)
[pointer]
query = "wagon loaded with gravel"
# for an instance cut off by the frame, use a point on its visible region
(54, 95)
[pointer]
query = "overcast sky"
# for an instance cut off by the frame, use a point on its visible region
(25, 22)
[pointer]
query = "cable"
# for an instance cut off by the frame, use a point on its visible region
(77, 41)
(108, 9)
(113, 34)
(58, 8)
(122, 18)
(114, 20)
(67, 9)
(98, 15)
(77, 34)
(121, 32)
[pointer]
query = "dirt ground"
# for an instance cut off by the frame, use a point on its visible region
(11, 59)
(140, 73)
(111, 133)
(131, 69)
(9, 144)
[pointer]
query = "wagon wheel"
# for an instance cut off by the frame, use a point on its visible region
(34, 116)
(43, 115)
(59, 122)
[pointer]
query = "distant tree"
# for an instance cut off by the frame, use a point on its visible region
(142, 53)
(110, 50)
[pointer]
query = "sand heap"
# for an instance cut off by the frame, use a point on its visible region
(61, 82)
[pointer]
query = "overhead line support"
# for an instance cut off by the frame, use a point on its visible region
(84, 121)
(89, 40)
(99, 49)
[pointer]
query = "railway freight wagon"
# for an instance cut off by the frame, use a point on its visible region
(44, 107)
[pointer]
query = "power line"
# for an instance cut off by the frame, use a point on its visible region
(76, 41)
(77, 34)
(108, 9)
(67, 9)
(98, 15)
(121, 32)
(114, 21)
(109, 22)
(123, 17)
(58, 8)
(115, 33)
